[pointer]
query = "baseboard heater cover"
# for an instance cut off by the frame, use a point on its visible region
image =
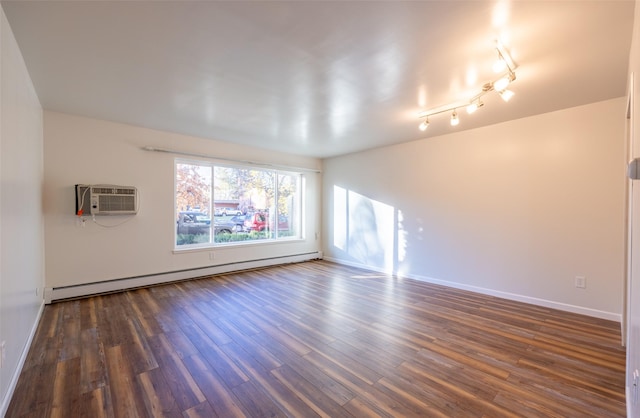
(116, 285)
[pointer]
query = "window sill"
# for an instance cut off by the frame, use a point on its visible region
(235, 245)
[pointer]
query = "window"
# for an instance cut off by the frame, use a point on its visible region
(224, 204)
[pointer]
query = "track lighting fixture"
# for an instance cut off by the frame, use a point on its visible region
(499, 85)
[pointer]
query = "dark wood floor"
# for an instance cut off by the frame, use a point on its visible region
(317, 339)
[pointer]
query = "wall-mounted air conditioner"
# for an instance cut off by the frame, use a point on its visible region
(102, 199)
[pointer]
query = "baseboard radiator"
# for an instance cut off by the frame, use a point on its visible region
(89, 289)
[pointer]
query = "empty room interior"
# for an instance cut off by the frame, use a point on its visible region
(310, 208)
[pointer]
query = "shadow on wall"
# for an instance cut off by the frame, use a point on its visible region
(369, 232)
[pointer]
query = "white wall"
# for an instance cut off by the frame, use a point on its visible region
(633, 325)
(21, 221)
(89, 151)
(517, 209)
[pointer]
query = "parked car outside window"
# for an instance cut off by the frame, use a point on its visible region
(257, 221)
(193, 223)
(238, 222)
(222, 227)
(198, 223)
(226, 212)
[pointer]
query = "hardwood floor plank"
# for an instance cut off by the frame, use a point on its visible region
(590, 353)
(34, 380)
(251, 345)
(567, 400)
(373, 349)
(181, 344)
(65, 401)
(282, 337)
(310, 395)
(223, 401)
(182, 385)
(349, 362)
(46, 353)
(279, 393)
(527, 408)
(203, 410)
(96, 404)
(333, 389)
(207, 325)
(138, 352)
(141, 309)
(159, 399)
(224, 366)
(359, 408)
(256, 403)
(49, 323)
(465, 402)
(112, 321)
(123, 391)
(88, 315)
(69, 333)
(93, 369)
(172, 317)
(456, 353)
(317, 339)
(600, 397)
(413, 396)
(588, 376)
(366, 393)
(334, 325)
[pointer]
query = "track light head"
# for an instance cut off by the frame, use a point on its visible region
(500, 65)
(473, 106)
(506, 95)
(424, 125)
(501, 84)
(454, 118)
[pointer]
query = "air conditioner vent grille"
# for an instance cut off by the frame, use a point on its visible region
(111, 203)
(113, 190)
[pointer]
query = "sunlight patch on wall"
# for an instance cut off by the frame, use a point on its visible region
(402, 238)
(364, 228)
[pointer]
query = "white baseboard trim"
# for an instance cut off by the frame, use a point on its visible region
(497, 293)
(23, 358)
(88, 289)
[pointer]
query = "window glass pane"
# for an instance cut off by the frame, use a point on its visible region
(288, 205)
(242, 198)
(193, 204)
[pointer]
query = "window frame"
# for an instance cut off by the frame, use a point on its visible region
(274, 239)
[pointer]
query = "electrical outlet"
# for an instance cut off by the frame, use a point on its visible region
(636, 378)
(581, 282)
